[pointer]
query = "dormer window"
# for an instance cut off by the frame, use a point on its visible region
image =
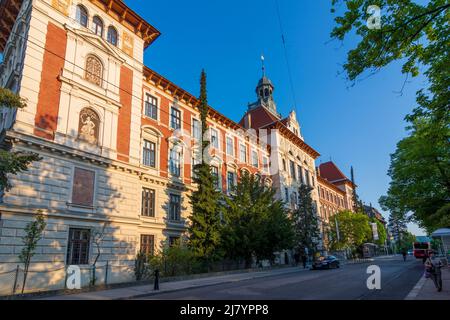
(82, 16)
(97, 26)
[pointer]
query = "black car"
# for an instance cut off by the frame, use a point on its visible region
(328, 262)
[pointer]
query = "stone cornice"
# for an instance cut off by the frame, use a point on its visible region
(33, 142)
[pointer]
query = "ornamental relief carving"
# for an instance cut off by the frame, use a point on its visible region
(94, 70)
(62, 6)
(88, 126)
(127, 44)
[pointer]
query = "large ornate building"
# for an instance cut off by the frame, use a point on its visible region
(118, 140)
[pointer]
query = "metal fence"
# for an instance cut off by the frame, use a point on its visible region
(39, 280)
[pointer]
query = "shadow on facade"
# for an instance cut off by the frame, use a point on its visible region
(77, 233)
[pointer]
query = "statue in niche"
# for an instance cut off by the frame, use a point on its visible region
(88, 126)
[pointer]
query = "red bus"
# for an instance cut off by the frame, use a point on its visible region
(421, 249)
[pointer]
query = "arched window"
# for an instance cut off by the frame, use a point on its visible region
(98, 26)
(88, 126)
(82, 16)
(94, 70)
(112, 35)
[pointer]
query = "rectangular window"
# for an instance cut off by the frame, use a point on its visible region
(308, 181)
(149, 154)
(148, 203)
(173, 241)
(284, 165)
(175, 207)
(294, 199)
(265, 165)
(151, 107)
(175, 118)
(78, 247)
(230, 146)
(214, 138)
(300, 174)
(231, 180)
(255, 160)
(243, 153)
(83, 187)
(148, 244)
(286, 194)
(215, 173)
(175, 162)
(293, 175)
(196, 129)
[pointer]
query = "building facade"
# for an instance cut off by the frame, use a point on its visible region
(118, 141)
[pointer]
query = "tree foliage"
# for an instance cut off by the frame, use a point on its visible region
(13, 162)
(255, 223)
(204, 230)
(354, 230)
(306, 224)
(416, 34)
(405, 242)
(33, 233)
(11, 100)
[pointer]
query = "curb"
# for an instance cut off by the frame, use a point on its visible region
(416, 290)
(153, 293)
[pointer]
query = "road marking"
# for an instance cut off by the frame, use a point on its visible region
(415, 291)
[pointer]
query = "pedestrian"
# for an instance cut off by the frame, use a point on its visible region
(404, 253)
(296, 258)
(304, 260)
(433, 267)
(156, 286)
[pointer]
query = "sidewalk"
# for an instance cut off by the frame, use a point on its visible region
(425, 289)
(147, 290)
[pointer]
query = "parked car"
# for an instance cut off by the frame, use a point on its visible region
(327, 262)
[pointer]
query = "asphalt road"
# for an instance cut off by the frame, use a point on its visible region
(347, 283)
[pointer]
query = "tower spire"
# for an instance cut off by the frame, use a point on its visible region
(263, 66)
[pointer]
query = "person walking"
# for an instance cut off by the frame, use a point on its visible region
(433, 267)
(304, 260)
(404, 253)
(296, 258)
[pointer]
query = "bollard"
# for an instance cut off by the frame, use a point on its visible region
(106, 272)
(156, 287)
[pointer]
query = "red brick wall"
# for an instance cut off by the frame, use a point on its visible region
(46, 118)
(124, 125)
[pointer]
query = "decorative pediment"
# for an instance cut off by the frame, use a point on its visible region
(96, 41)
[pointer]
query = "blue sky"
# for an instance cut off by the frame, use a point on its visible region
(358, 125)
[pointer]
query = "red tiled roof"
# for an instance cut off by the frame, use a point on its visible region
(331, 172)
(259, 117)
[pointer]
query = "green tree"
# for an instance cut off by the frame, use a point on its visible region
(255, 223)
(416, 34)
(33, 233)
(405, 242)
(419, 176)
(354, 229)
(306, 223)
(13, 162)
(204, 230)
